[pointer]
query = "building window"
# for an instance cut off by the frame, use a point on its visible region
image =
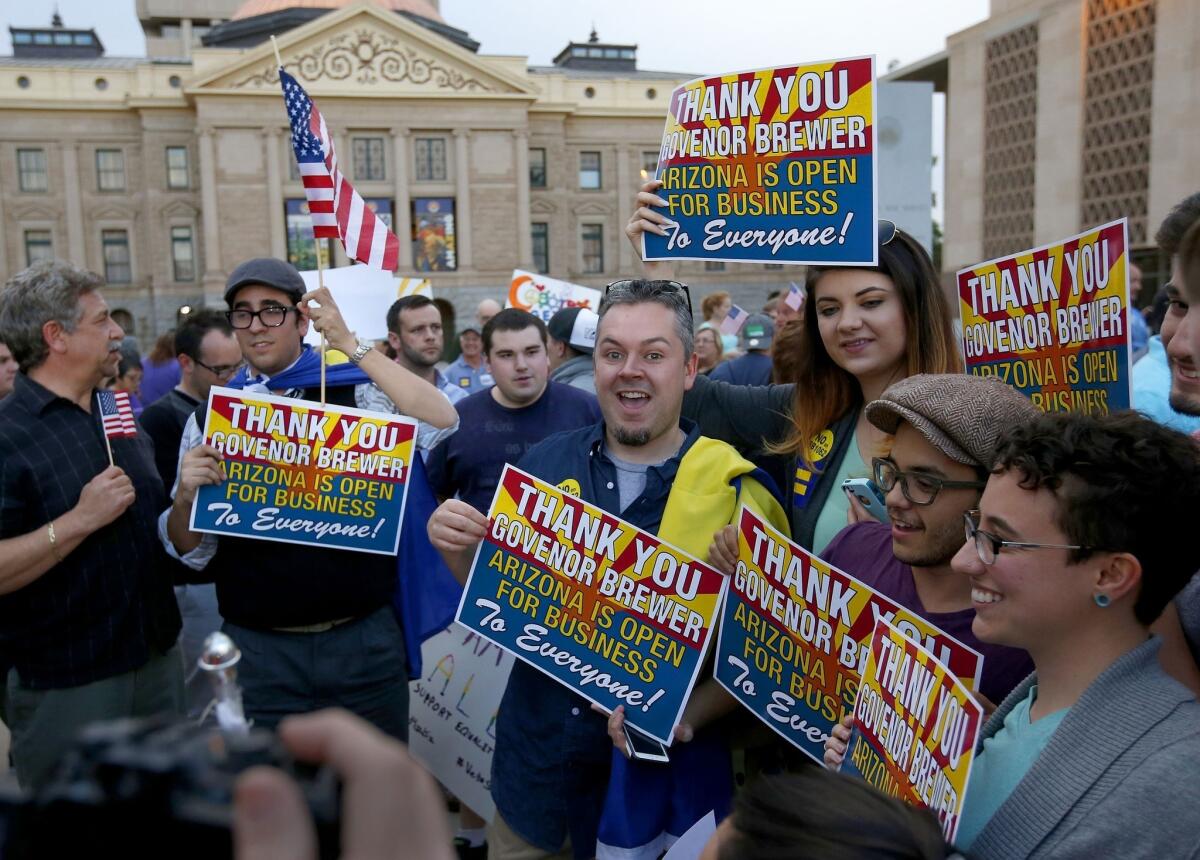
(541, 248)
(183, 254)
(115, 247)
(177, 167)
(649, 164)
(714, 265)
(31, 169)
(368, 159)
(302, 249)
(431, 159)
(593, 249)
(589, 171)
(38, 246)
(434, 244)
(110, 170)
(537, 168)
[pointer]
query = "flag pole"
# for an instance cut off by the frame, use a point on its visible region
(316, 247)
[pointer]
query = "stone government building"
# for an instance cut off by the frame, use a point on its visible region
(164, 172)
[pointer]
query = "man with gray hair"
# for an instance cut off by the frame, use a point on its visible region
(652, 468)
(87, 615)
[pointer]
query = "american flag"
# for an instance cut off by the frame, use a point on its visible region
(733, 321)
(116, 414)
(338, 212)
(795, 296)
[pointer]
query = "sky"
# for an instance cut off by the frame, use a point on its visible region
(701, 37)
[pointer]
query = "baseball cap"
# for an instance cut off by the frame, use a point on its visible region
(470, 327)
(960, 415)
(268, 272)
(758, 332)
(576, 327)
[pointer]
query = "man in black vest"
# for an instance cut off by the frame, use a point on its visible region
(315, 625)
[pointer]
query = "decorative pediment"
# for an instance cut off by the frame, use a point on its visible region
(179, 209)
(541, 206)
(363, 50)
(114, 212)
(591, 207)
(34, 212)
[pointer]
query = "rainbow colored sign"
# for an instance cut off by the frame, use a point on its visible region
(1053, 322)
(795, 632)
(596, 603)
(915, 727)
(299, 472)
(771, 166)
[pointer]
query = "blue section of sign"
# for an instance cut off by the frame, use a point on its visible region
(256, 502)
(1098, 378)
(770, 687)
(604, 653)
(831, 223)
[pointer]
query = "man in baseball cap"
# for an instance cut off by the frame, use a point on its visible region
(944, 429)
(572, 333)
(469, 371)
(753, 367)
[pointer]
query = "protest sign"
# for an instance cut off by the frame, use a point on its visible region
(452, 713)
(544, 297)
(795, 634)
(599, 605)
(915, 727)
(363, 295)
(300, 472)
(771, 166)
(1053, 322)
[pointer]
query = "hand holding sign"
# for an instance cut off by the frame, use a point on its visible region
(200, 467)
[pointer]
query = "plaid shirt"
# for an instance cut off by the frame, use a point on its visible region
(109, 605)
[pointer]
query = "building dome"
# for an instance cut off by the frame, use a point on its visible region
(253, 8)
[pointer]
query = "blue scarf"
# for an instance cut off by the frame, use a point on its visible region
(427, 594)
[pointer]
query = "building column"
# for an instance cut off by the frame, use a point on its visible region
(214, 278)
(524, 227)
(462, 185)
(341, 143)
(185, 35)
(625, 188)
(402, 213)
(76, 244)
(278, 236)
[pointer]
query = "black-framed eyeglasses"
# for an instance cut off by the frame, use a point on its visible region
(918, 487)
(988, 545)
(660, 285)
(886, 232)
(272, 316)
(221, 371)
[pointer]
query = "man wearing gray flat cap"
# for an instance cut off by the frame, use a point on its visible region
(944, 429)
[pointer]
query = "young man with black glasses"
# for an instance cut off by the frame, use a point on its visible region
(944, 429)
(312, 634)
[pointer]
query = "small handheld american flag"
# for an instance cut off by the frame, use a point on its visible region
(116, 414)
(337, 209)
(733, 321)
(795, 297)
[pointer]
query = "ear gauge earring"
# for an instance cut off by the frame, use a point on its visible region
(1102, 600)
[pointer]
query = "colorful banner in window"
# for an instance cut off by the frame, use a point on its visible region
(772, 165)
(1053, 322)
(301, 247)
(433, 234)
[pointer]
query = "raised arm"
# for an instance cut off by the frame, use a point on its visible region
(646, 220)
(412, 395)
(746, 416)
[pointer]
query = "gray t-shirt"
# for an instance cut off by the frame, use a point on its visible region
(631, 479)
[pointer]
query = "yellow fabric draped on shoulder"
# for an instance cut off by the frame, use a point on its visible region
(704, 499)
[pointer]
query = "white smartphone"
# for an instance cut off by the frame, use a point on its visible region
(868, 496)
(643, 747)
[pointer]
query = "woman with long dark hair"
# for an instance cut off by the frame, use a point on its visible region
(863, 329)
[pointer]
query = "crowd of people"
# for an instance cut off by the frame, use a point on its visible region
(1053, 544)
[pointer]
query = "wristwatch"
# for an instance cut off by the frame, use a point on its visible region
(364, 346)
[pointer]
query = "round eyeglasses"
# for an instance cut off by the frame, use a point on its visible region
(272, 316)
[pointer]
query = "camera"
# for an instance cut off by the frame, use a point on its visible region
(154, 788)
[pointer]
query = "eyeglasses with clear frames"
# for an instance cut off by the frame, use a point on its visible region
(988, 545)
